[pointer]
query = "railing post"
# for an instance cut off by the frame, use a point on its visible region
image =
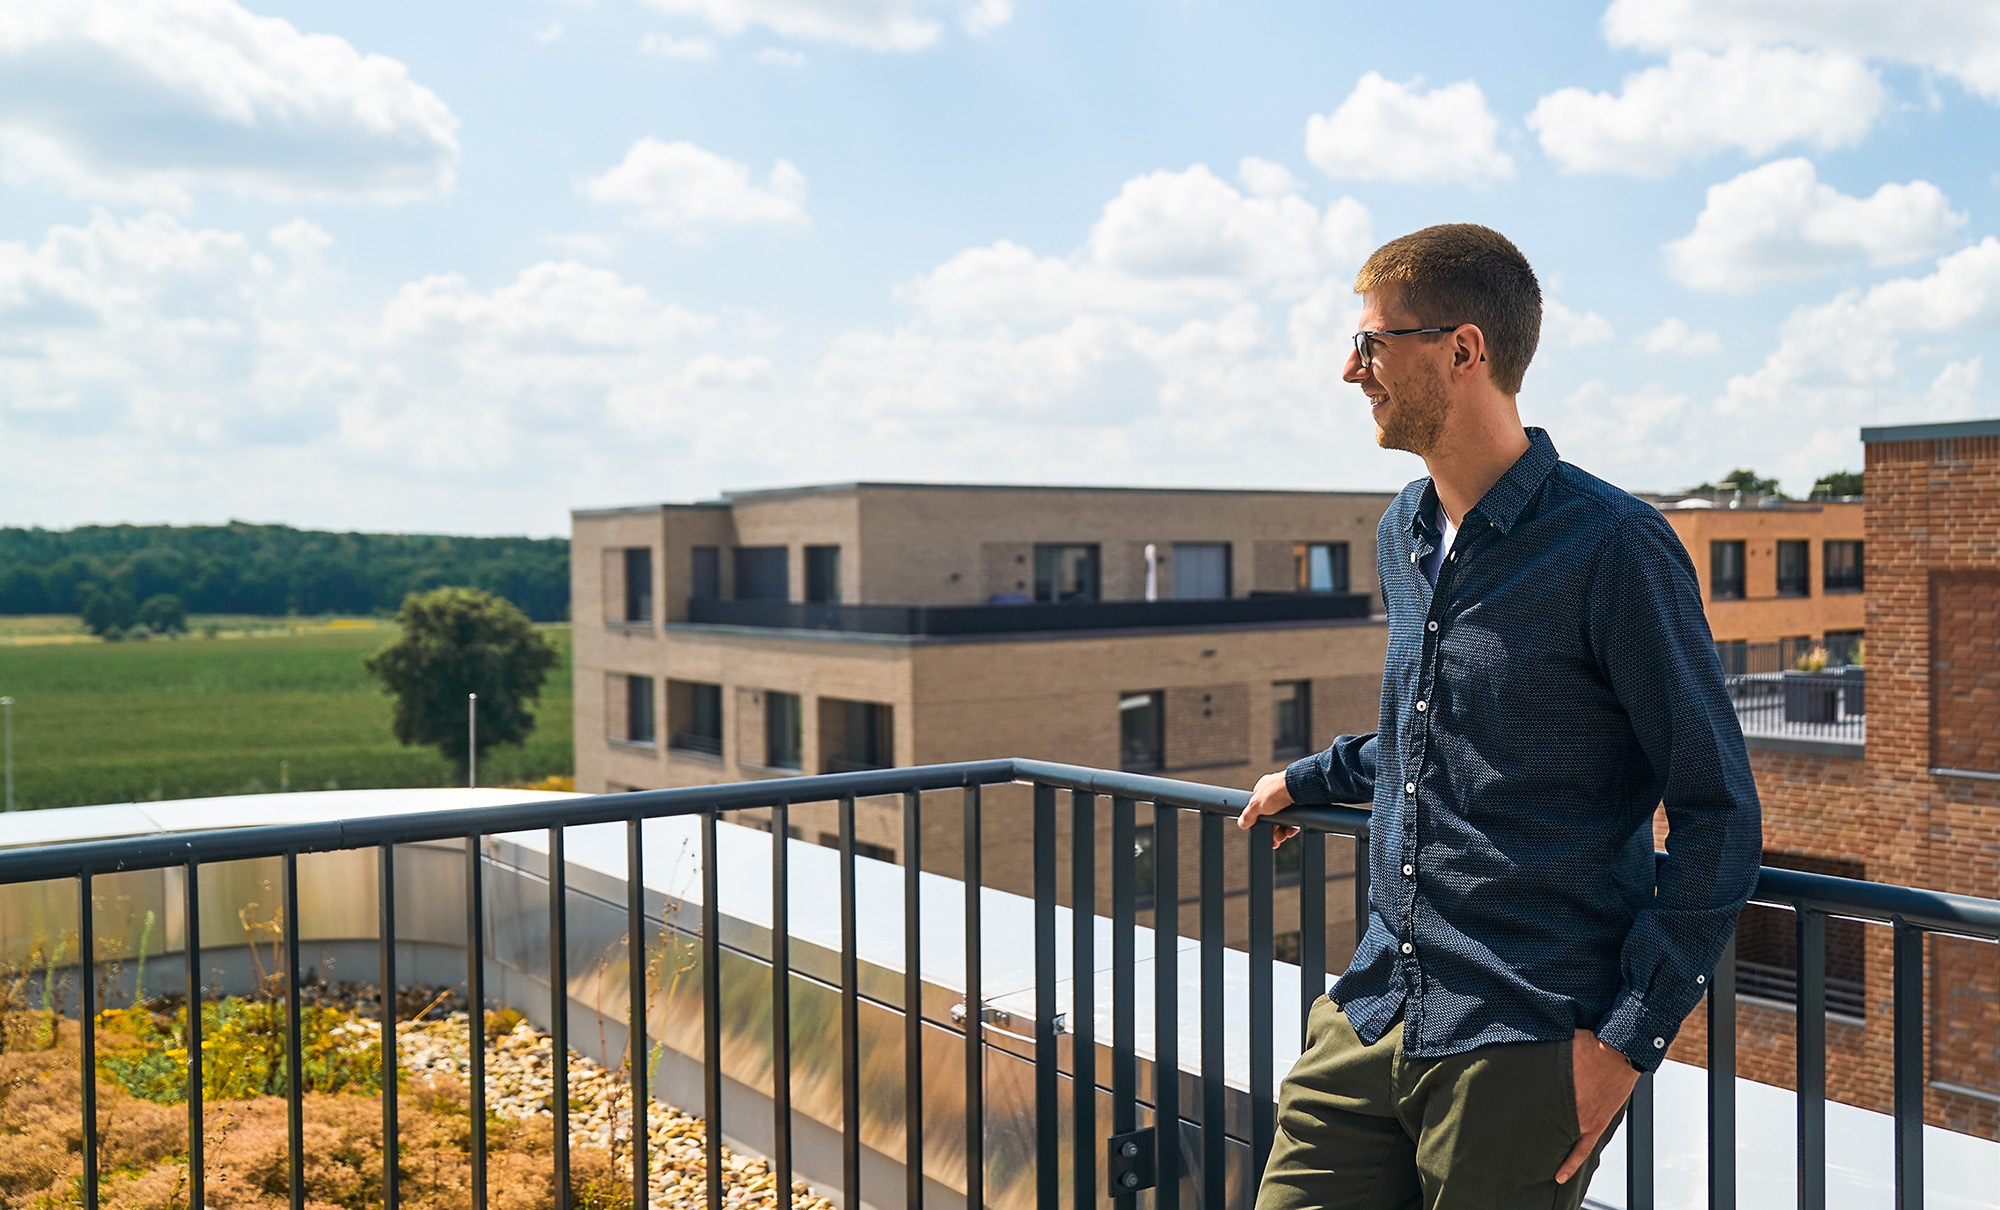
(559, 1010)
(850, 1019)
(1722, 1080)
(913, 1002)
(1047, 1169)
(86, 946)
(1263, 1103)
(1908, 982)
(1639, 1147)
(635, 1012)
(1810, 998)
(1214, 1092)
(1312, 924)
(385, 928)
(975, 1014)
(197, 1178)
(475, 1010)
(781, 1004)
(1166, 1009)
(1124, 956)
(1083, 997)
(711, 1008)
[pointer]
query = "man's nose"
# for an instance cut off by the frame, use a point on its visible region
(1354, 372)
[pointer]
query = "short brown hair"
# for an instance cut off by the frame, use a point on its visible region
(1464, 273)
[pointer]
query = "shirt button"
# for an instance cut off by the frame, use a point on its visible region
(1408, 948)
(1422, 706)
(1414, 556)
(1701, 978)
(1659, 1043)
(1409, 787)
(1454, 556)
(1430, 625)
(1409, 871)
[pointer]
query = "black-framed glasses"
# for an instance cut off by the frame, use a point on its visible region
(1363, 341)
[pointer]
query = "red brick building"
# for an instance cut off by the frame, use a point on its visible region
(1917, 803)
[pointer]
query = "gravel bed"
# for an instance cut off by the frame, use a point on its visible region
(520, 1084)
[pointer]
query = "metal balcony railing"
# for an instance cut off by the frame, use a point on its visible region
(1829, 706)
(1112, 1159)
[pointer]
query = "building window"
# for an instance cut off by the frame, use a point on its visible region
(1201, 571)
(1767, 954)
(1843, 566)
(1794, 565)
(638, 583)
(1725, 571)
(1291, 719)
(1140, 716)
(1066, 573)
(783, 718)
(694, 710)
(1844, 646)
(822, 573)
(1320, 566)
(855, 735)
(704, 573)
(639, 728)
(763, 573)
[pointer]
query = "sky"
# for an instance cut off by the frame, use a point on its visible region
(462, 267)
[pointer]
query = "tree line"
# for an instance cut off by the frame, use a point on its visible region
(113, 571)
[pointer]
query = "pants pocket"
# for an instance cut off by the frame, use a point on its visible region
(1566, 1090)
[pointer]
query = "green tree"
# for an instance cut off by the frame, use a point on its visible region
(1744, 480)
(1836, 484)
(456, 641)
(109, 612)
(162, 613)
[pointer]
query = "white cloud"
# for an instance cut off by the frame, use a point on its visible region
(591, 245)
(885, 25)
(1954, 393)
(681, 186)
(712, 371)
(1838, 358)
(1674, 338)
(1167, 242)
(1385, 131)
(779, 56)
(144, 100)
(691, 50)
(1266, 178)
(1957, 39)
(552, 32)
(1618, 428)
(1779, 222)
(1563, 328)
(1749, 99)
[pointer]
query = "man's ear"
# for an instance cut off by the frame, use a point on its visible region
(1468, 347)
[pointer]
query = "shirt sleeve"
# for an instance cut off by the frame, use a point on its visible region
(1653, 645)
(1344, 773)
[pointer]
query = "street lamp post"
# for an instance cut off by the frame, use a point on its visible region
(7, 712)
(472, 741)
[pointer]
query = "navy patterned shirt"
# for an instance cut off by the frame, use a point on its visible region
(1556, 685)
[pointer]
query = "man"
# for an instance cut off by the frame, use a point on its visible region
(1550, 681)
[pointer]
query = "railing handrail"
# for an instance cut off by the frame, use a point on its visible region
(1938, 911)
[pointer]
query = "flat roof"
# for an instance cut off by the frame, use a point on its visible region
(810, 489)
(1932, 432)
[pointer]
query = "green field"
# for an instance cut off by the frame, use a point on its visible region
(120, 722)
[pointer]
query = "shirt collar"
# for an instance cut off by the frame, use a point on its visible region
(1504, 501)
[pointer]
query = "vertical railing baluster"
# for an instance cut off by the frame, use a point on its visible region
(850, 1018)
(711, 1007)
(86, 977)
(197, 1179)
(1166, 1008)
(1811, 1063)
(1312, 925)
(781, 1003)
(913, 1002)
(975, 1013)
(1124, 957)
(295, 1075)
(475, 1010)
(559, 1010)
(1047, 1169)
(635, 1010)
(1214, 1093)
(1908, 1002)
(1722, 1080)
(1083, 995)
(1263, 1104)
(1639, 1147)
(385, 930)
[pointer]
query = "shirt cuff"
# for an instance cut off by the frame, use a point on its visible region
(1637, 1031)
(1305, 781)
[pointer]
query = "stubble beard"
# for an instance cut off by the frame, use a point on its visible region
(1415, 418)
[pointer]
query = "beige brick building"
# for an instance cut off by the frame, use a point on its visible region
(779, 633)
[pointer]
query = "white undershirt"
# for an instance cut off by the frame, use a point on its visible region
(1436, 560)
